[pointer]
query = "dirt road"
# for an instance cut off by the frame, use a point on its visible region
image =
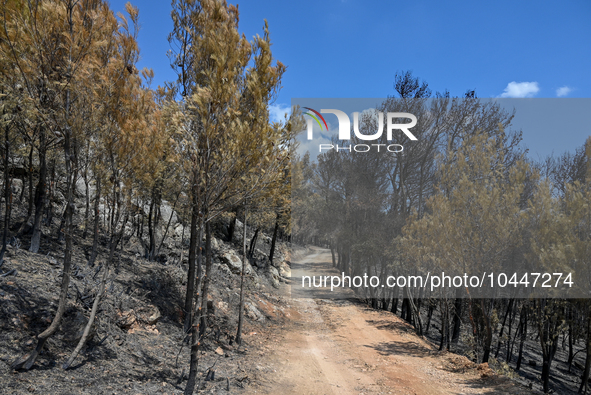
(342, 347)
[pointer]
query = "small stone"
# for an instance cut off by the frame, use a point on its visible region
(153, 319)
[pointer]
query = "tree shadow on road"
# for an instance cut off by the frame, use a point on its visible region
(398, 348)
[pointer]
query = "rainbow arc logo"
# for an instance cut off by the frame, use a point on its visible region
(315, 118)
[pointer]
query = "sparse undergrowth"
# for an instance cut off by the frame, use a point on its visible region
(137, 344)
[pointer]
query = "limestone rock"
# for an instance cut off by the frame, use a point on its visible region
(234, 263)
(166, 212)
(284, 270)
(151, 320)
(273, 276)
(252, 312)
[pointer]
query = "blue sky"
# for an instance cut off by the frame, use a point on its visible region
(352, 48)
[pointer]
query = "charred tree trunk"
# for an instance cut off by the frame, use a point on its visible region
(548, 341)
(241, 307)
(60, 228)
(194, 242)
(406, 313)
(30, 197)
(415, 314)
(40, 194)
(7, 194)
(394, 308)
(523, 333)
(206, 276)
(509, 343)
(571, 334)
(429, 316)
(471, 309)
(274, 240)
(333, 254)
(154, 219)
(487, 332)
(444, 323)
(150, 246)
(253, 242)
(87, 205)
(507, 313)
(195, 317)
(49, 207)
(457, 320)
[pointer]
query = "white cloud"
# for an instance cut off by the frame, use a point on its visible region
(277, 112)
(521, 89)
(311, 146)
(563, 91)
